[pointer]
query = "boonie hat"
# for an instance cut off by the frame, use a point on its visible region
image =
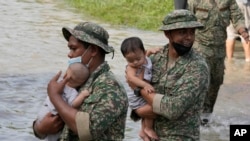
(180, 19)
(91, 33)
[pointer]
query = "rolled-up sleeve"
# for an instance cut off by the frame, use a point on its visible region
(103, 109)
(157, 103)
(83, 131)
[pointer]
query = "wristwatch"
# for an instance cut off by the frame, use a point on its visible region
(137, 91)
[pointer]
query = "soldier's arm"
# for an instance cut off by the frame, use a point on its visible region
(106, 109)
(237, 17)
(171, 107)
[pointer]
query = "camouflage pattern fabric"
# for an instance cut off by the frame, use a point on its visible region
(215, 81)
(178, 19)
(184, 87)
(215, 15)
(107, 106)
(91, 33)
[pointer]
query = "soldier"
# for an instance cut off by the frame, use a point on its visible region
(102, 115)
(180, 78)
(215, 15)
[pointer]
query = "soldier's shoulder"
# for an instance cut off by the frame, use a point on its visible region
(198, 58)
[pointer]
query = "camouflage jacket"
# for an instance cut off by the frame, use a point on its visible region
(182, 89)
(215, 15)
(106, 106)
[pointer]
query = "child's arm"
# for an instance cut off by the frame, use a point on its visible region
(137, 81)
(80, 98)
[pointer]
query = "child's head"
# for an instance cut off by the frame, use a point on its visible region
(78, 74)
(133, 50)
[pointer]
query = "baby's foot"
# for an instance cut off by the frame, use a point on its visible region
(151, 133)
(143, 136)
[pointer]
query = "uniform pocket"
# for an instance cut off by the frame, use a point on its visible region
(173, 84)
(202, 14)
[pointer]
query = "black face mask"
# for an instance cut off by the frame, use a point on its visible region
(181, 49)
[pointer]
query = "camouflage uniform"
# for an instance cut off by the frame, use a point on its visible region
(182, 87)
(106, 106)
(102, 116)
(215, 15)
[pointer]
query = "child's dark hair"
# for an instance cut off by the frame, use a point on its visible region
(131, 44)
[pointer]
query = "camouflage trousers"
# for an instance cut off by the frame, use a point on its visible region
(215, 57)
(217, 67)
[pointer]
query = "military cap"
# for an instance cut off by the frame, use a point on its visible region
(180, 19)
(91, 33)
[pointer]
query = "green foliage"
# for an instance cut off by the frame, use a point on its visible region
(141, 14)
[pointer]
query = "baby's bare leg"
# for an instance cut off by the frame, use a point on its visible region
(142, 133)
(146, 112)
(148, 128)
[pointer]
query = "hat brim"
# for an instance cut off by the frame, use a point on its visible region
(81, 35)
(179, 25)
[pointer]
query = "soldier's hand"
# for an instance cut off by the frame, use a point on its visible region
(244, 34)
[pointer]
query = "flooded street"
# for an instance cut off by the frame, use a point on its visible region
(33, 50)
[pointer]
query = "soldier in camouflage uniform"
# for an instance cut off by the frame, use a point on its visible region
(180, 78)
(102, 115)
(215, 15)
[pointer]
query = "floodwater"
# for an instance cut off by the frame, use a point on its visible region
(33, 50)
